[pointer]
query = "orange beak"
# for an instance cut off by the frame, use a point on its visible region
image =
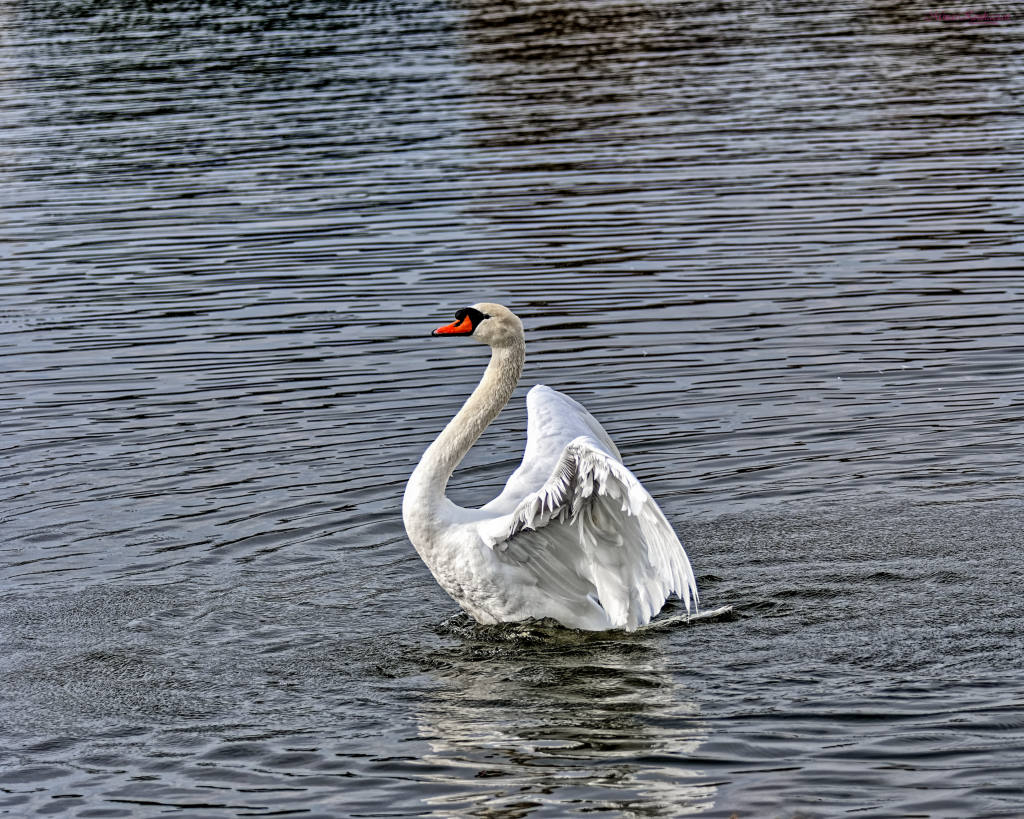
(459, 327)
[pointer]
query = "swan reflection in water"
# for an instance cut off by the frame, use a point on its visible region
(528, 717)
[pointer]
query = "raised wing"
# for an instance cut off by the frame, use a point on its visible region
(591, 536)
(553, 420)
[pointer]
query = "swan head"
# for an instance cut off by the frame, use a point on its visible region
(487, 323)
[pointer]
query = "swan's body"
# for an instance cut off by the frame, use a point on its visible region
(573, 536)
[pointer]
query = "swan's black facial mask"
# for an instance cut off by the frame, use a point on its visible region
(466, 321)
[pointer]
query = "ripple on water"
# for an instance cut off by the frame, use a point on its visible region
(777, 253)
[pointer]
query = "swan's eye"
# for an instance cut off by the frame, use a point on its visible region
(471, 313)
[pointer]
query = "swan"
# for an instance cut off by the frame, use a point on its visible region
(573, 536)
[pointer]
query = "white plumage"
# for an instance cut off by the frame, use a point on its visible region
(573, 536)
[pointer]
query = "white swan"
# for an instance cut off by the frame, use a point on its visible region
(573, 535)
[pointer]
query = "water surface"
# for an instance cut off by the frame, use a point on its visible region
(777, 252)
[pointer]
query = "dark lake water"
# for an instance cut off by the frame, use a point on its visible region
(777, 250)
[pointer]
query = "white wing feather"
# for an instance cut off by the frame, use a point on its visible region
(582, 526)
(553, 420)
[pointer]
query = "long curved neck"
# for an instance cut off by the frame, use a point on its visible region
(425, 494)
